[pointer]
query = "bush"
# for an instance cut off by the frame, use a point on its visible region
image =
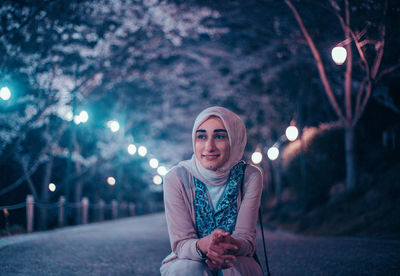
(324, 158)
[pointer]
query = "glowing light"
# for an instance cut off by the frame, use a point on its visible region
(273, 153)
(157, 179)
(162, 170)
(52, 187)
(113, 125)
(292, 133)
(69, 116)
(132, 149)
(84, 116)
(153, 163)
(256, 157)
(111, 181)
(142, 151)
(339, 55)
(5, 93)
(77, 119)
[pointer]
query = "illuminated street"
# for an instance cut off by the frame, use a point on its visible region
(136, 246)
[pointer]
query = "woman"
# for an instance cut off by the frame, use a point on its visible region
(211, 202)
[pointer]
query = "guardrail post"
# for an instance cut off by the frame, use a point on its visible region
(101, 209)
(131, 209)
(85, 208)
(61, 211)
(29, 213)
(114, 206)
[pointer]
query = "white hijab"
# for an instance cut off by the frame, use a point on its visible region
(237, 140)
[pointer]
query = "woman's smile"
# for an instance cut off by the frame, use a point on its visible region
(212, 147)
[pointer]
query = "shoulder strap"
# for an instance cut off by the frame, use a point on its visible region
(261, 224)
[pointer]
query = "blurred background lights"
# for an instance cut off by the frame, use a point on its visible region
(5, 93)
(153, 163)
(256, 157)
(52, 187)
(292, 133)
(77, 119)
(111, 181)
(162, 170)
(84, 116)
(273, 153)
(157, 179)
(132, 149)
(113, 125)
(339, 55)
(69, 116)
(142, 151)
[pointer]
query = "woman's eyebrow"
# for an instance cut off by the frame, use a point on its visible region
(220, 130)
(200, 130)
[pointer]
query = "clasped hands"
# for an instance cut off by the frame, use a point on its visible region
(220, 249)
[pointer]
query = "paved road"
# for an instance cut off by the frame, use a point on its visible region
(136, 246)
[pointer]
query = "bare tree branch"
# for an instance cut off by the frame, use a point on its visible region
(318, 60)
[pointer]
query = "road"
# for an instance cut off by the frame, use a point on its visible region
(136, 246)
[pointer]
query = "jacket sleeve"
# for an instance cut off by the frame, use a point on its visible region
(182, 234)
(245, 229)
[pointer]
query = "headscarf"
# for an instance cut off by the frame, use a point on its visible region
(237, 140)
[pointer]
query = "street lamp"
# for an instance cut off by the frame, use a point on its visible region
(113, 125)
(157, 179)
(111, 181)
(256, 157)
(273, 153)
(153, 163)
(52, 187)
(132, 149)
(5, 93)
(162, 170)
(292, 133)
(339, 55)
(142, 151)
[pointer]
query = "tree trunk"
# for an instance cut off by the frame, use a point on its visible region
(44, 196)
(351, 180)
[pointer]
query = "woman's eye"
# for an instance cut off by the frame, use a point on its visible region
(201, 137)
(220, 137)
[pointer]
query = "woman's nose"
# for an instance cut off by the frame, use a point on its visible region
(210, 145)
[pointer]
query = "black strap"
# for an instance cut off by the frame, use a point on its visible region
(261, 225)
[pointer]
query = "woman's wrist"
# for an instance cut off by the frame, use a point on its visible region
(199, 250)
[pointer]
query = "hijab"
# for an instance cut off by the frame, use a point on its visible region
(237, 141)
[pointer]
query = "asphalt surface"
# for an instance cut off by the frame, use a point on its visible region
(136, 246)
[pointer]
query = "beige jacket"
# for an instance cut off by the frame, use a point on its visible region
(180, 214)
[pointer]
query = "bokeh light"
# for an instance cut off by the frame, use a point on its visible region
(5, 93)
(84, 116)
(162, 170)
(157, 179)
(339, 55)
(256, 157)
(113, 125)
(111, 181)
(132, 149)
(52, 187)
(292, 133)
(153, 163)
(273, 153)
(142, 151)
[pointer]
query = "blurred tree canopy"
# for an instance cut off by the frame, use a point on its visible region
(154, 65)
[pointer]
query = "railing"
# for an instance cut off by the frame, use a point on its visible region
(83, 205)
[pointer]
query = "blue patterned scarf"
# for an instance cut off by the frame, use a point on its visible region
(225, 213)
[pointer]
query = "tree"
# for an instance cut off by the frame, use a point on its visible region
(370, 44)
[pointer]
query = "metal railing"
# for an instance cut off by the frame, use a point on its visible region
(84, 205)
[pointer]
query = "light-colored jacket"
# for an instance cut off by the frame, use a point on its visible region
(179, 193)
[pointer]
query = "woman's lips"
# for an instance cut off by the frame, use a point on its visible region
(210, 157)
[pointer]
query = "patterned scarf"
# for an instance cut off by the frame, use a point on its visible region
(225, 213)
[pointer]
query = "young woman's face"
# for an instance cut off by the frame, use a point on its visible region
(211, 144)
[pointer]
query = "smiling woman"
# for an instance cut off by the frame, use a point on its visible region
(211, 202)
